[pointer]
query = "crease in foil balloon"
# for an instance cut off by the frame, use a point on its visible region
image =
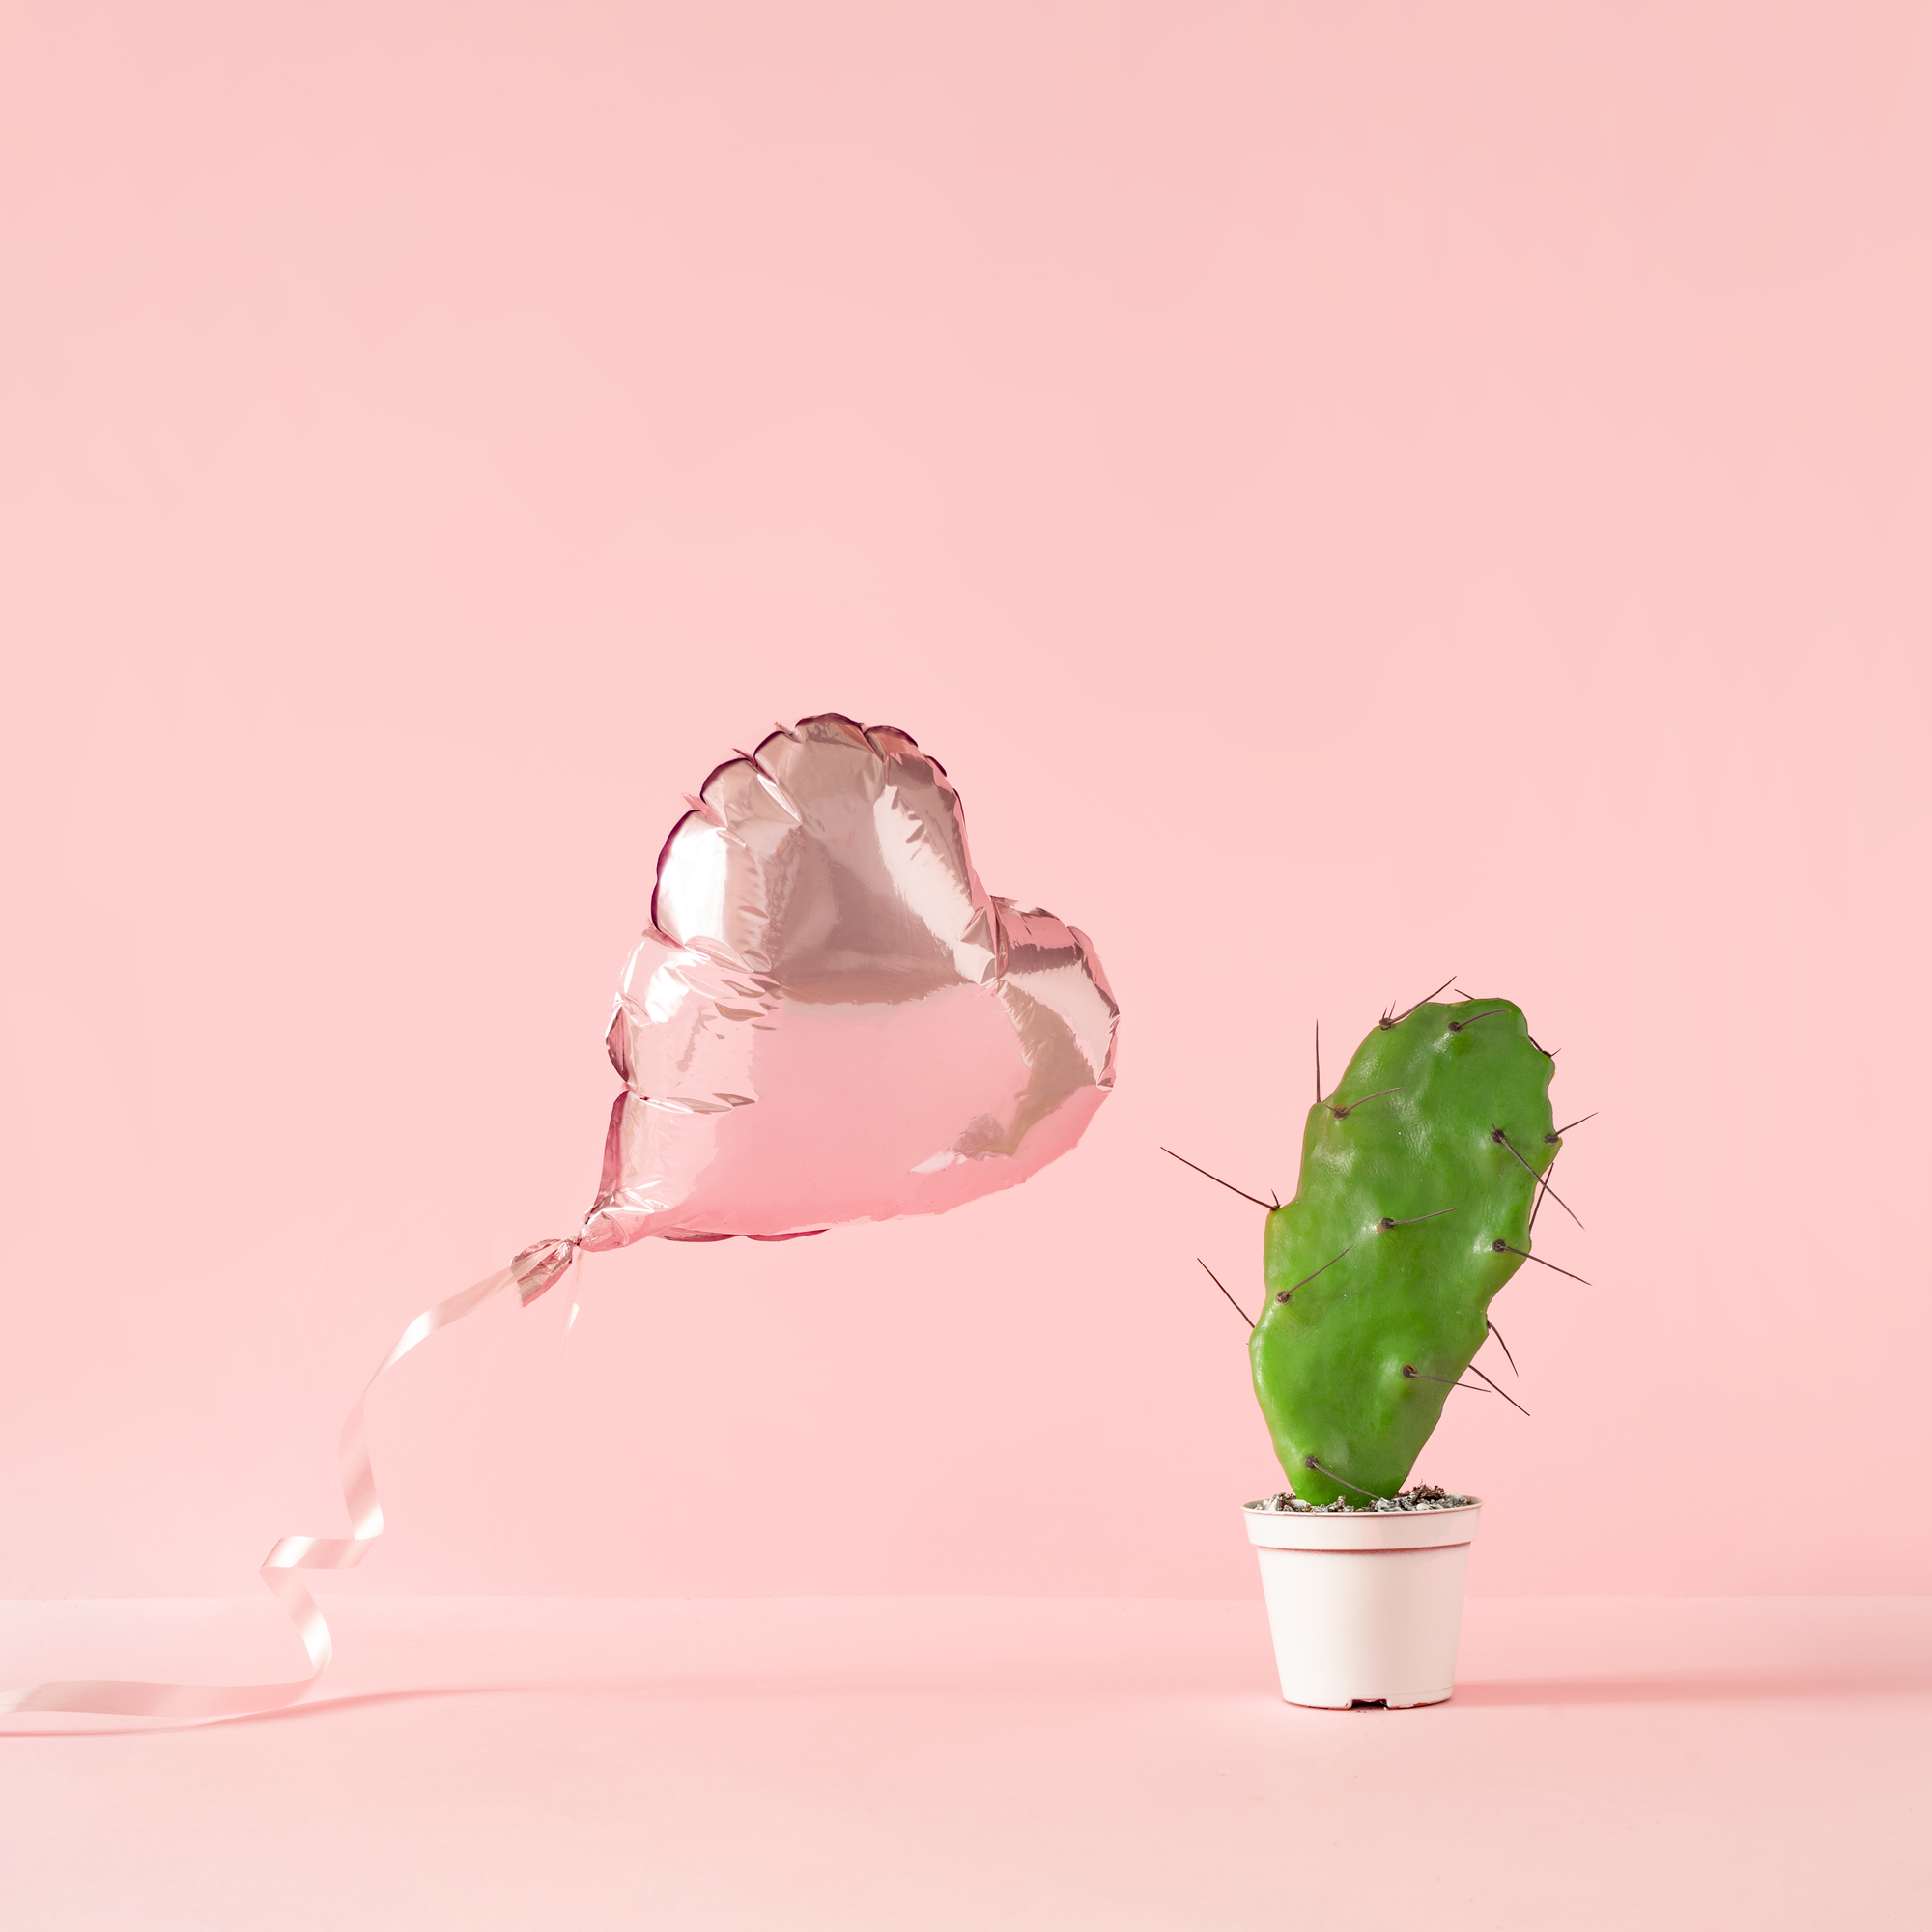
(829, 1019)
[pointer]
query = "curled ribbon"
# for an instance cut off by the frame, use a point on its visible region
(534, 1271)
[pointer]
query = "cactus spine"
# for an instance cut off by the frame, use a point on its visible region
(1418, 1176)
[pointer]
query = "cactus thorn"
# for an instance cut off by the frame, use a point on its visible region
(1456, 1026)
(1231, 1302)
(1499, 1389)
(1411, 1373)
(1389, 1220)
(1501, 1139)
(1396, 1020)
(1536, 1205)
(1307, 1278)
(1343, 1113)
(1503, 1346)
(1504, 1248)
(1217, 1179)
(1561, 1131)
(1310, 1462)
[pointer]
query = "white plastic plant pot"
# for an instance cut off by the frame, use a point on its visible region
(1366, 1606)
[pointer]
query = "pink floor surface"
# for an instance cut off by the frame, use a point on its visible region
(859, 1763)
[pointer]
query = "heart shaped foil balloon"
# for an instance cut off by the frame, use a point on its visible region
(830, 1018)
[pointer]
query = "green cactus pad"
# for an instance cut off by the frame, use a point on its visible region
(1353, 1301)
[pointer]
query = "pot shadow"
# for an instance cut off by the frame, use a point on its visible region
(1767, 1687)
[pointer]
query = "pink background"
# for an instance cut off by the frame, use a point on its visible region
(1350, 495)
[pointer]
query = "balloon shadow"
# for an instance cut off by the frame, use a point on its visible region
(681, 1688)
(288, 1712)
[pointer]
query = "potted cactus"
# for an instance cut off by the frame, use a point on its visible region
(1422, 1175)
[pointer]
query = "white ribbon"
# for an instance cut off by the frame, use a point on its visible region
(134, 1699)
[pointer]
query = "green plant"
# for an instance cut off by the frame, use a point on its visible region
(1421, 1176)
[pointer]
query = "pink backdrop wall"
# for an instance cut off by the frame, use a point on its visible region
(1352, 494)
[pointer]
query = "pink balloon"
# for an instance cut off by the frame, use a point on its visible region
(830, 1018)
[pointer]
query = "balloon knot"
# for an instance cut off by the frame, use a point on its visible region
(541, 1266)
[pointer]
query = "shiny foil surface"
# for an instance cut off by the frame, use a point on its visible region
(830, 1018)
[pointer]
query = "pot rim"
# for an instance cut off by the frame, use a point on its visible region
(1366, 1530)
(1259, 1507)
